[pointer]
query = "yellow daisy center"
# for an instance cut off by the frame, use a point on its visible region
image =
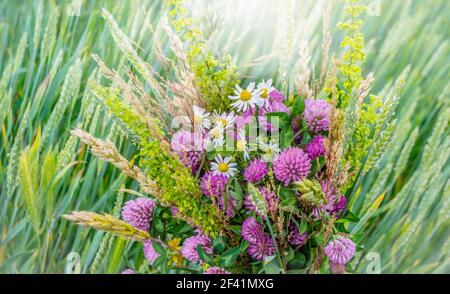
(240, 145)
(224, 122)
(246, 95)
(197, 119)
(215, 133)
(223, 167)
(264, 93)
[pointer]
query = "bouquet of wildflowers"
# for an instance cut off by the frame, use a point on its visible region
(240, 177)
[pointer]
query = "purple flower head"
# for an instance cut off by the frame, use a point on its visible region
(174, 210)
(213, 185)
(252, 230)
(191, 159)
(340, 251)
(340, 205)
(295, 238)
(189, 249)
(334, 206)
(215, 270)
(264, 121)
(190, 148)
(139, 212)
(271, 198)
(317, 115)
(296, 124)
(230, 205)
(315, 147)
(262, 248)
(276, 96)
(183, 141)
(149, 252)
(291, 165)
(128, 271)
(255, 171)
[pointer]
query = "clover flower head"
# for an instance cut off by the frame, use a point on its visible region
(139, 212)
(317, 115)
(291, 165)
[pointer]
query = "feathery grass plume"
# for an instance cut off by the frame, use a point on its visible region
(69, 91)
(184, 88)
(326, 42)
(107, 151)
(107, 223)
(303, 87)
(285, 43)
(129, 93)
(138, 128)
(28, 182)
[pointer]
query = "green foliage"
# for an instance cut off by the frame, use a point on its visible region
(354, 41)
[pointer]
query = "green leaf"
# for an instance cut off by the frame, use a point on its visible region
(219, 244)
(303, 227)
(291, 202)
(158, 248)
(116, 256)
(319, 238)
(271, 265)
(228, 258)
(236, 229)
(299, 106)
(298, 261)
(204, 256)
(158, 225)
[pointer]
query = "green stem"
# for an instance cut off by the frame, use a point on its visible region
(280, 257)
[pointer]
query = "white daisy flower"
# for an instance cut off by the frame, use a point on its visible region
(216, 135)
(223, 166)
(264, 88)
(246, 98)
(269, 149)
(242, 144)
(226, 120)
(201, 118)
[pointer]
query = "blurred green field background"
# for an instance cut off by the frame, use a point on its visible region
(45, 65)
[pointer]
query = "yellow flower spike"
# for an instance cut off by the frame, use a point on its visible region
(175, 243)
(176, 259)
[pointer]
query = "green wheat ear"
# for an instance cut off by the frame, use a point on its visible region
(257, 199)
(311, 193)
